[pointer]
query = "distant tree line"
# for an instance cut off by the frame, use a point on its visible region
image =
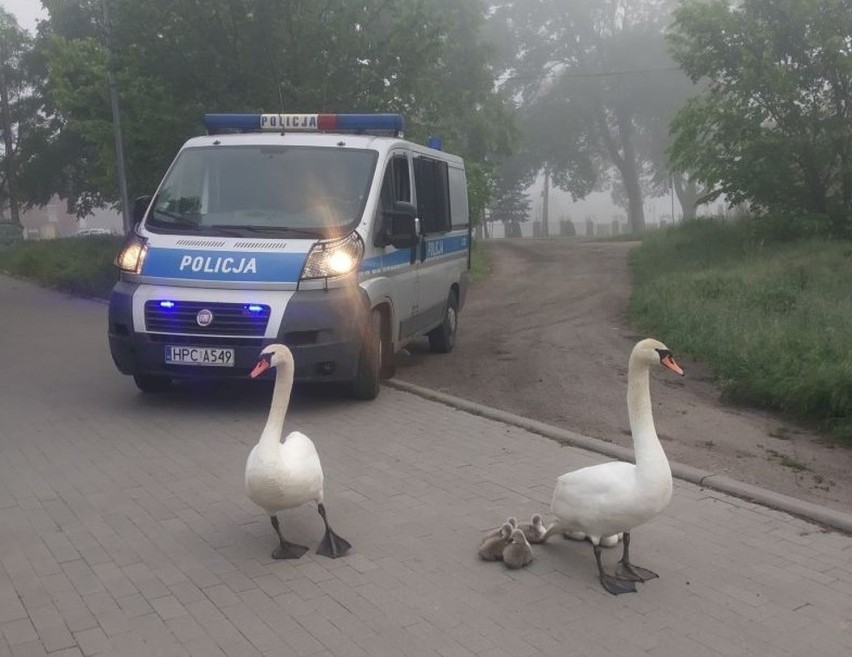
(745, 101)
(174, 60)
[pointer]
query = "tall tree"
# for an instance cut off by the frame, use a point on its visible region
(511, 206)
(774, 129)
(597, 76)
(179, 59)
(15, 105)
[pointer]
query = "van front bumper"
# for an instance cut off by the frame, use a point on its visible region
(322, 328)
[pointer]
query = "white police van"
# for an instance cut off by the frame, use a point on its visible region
(326, 232)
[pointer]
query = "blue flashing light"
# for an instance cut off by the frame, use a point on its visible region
(232, 122)
(167, 304)
(435, 142)
(254, 308)
(353, 123)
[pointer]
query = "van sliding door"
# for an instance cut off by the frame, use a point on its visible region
(434, 278)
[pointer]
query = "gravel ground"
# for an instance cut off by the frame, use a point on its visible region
(545, 336)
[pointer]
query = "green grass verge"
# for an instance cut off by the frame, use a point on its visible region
(479, 264)
(84, 265)
(79, 265)
(773, 318)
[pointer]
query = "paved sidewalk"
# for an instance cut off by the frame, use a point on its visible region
(124, 530)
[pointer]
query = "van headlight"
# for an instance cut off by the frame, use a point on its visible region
(334, 258)
(132, 254)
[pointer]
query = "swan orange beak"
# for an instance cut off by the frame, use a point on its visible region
(262, 365)
(669, 362)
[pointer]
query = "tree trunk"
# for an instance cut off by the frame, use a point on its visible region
(687, 196)
(635, 207)
(623, 155)
(7, 136)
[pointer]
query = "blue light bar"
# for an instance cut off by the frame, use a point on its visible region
(237, 122)
(435, 142)
(254, 308)
(354, 123)
(167, 304)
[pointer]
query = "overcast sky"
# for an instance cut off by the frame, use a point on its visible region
(26, 11)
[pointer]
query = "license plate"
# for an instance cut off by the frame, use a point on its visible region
(204, 356)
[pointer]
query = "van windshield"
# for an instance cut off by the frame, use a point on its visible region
(266, 190)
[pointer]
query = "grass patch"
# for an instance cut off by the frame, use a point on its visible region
(773, 318)
(480, 266)
(83, 265)
(79, 265)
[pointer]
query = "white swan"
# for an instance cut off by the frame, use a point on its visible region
(607, 499)
(286, 475)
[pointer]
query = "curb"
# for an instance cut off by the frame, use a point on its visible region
(806, 510)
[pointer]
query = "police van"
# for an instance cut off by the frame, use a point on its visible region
(329, 233)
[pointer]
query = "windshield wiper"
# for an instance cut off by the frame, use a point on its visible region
(270, 229)
(181, 221)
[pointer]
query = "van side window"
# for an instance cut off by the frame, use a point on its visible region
(459, 209)
(396, 185)
(433, 196)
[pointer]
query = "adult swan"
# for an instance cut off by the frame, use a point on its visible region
(286, 475)
(603, 500)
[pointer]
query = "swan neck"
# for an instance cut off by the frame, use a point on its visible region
(646, 444)
(271, 436)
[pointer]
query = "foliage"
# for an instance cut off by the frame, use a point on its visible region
(10, 235)
(480, 263)
(80, 265)
(16, 84)
(176, 60)
(596, 88)
(511, 206)
(772, 315)
(774, 128)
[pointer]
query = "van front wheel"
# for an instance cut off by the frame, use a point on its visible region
(443, 339)
(368, 377)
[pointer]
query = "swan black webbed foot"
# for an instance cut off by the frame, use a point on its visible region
(627, 570)
(612, 583)
(285, 549)
(332, 545)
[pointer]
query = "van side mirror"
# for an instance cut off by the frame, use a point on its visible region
(399, 225)
(140, 205)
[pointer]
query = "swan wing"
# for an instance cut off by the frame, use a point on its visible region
(294, 478)
(597, 481)
(300, 455)
(599, 500)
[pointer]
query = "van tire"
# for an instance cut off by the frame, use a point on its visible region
(388, 355)
(443, 339)
(152, 383)
(368, 377)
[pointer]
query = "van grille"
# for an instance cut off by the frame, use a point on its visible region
(166, 316)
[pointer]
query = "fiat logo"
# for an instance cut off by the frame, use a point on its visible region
(204, 317)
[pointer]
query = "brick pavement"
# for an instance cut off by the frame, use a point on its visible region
(124, 530)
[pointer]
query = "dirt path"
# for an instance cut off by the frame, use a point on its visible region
(545, 336)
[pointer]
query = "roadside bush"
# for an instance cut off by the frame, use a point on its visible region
(80, 265)
(772, 316)
(10, 235)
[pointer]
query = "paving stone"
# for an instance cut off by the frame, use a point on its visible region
(135, 537)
